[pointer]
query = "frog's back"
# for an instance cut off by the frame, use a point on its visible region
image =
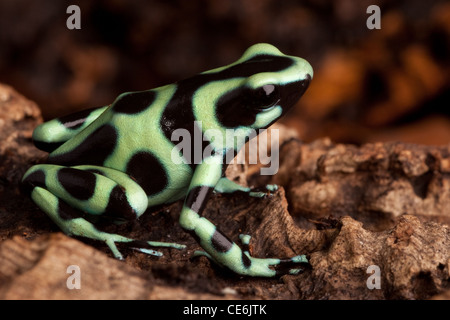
(127, 137)
(116, 133)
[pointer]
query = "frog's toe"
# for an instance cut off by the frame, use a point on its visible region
(271, 267)
(263, 192)
(257, 194)
(260, 193)
(275, 267)
(166, 245)
(150, 252)
(111, 243)
(145, 246)
(294, 265)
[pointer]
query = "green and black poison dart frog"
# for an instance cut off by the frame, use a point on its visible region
(116, 161)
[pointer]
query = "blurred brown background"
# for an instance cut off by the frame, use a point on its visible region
(369, 85)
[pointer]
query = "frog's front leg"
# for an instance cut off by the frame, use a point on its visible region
(70, 194)
(219, 247)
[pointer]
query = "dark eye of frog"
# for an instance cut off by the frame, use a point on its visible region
(264, 97)
(239, 107)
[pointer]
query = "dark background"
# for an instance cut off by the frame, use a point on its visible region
(369, 85)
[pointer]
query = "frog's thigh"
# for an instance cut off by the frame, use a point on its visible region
(53, 187)
(91, 189)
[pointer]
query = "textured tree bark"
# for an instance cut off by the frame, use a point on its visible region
(374, 221)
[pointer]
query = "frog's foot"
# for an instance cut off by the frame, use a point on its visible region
(144, 246)
(243, 263)
(282, 266)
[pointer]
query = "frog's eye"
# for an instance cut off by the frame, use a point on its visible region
(265, 97)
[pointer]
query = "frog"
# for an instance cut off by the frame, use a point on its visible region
(115, 162)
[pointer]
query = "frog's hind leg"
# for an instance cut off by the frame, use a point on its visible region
(50, 135)
(69, 194)
(71, 221)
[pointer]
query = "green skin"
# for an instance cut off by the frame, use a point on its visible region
(116, 161)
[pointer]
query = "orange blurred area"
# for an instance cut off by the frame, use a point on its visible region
(369, 85)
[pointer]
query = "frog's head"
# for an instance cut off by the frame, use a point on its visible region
(260, 87)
